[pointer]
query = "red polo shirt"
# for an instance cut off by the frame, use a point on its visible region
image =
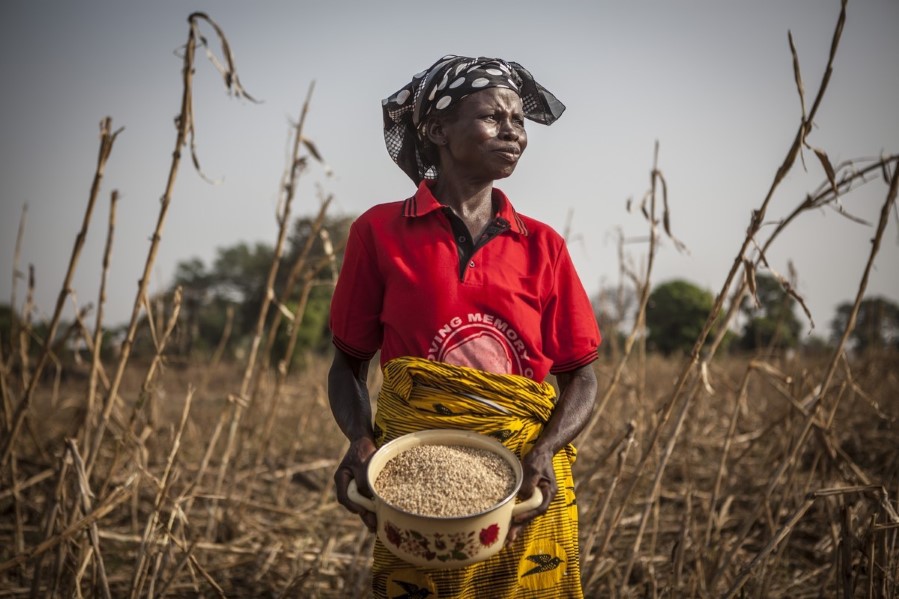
(411, 284)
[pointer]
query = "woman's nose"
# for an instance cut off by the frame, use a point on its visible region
(509, 130)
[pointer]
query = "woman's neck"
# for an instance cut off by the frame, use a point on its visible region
(473, 203)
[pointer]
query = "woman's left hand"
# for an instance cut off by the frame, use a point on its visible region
(538, 473)
(571, 413)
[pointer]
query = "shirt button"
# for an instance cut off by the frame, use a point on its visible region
(461, 238)
(471, 264)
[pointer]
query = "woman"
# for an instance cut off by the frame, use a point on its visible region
(471, 305)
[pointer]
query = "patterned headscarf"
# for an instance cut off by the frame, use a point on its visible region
(439, 88)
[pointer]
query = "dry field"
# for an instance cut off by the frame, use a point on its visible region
(762, 492)
(705, 476)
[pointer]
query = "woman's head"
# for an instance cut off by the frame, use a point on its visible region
(482, 139)
(433, 98)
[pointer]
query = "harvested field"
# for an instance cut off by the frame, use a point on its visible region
(799, 499)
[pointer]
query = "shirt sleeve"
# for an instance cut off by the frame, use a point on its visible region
(571, 336)
(355, 318)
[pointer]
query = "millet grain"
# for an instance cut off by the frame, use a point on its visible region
(445, 480)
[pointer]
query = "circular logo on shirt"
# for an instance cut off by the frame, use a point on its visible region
(481, 341)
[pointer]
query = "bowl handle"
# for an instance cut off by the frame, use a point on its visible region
(356, 497)
(528, 504)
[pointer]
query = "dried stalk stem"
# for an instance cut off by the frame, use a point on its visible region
(107, 138)
(644, 286)
(118, 495)
(283, 225)
(185, 126)
(16, 275)
(96, 354)
(140, 570)
(85, 496)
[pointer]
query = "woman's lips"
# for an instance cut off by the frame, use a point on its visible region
(510, 154)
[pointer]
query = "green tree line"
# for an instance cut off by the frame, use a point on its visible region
(767, 320)
(677, 310)
(219, 298)
(228, 292)
(223, 298)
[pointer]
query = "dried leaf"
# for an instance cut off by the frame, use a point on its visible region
(838, 208)
(666, 216)
(328, 248)
(285, 312)
(228, 71)
(791, 291)
(300, 164)
(749, 277)
(771, 371)
(704, 373)
(312, 149)
(828, 168)
(797, 76)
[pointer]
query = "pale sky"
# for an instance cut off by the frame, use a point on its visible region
(711, 81)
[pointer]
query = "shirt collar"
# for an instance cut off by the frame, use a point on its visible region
(424, 202)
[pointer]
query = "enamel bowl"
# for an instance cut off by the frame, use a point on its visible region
(438, 542)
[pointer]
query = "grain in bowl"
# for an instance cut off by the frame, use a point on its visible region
(445, 481)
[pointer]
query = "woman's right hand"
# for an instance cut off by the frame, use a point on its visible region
(353, 466)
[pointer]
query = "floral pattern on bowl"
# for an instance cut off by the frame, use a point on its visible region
(442, 547)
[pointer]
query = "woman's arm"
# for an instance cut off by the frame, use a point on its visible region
(577, 396)
(351, 406)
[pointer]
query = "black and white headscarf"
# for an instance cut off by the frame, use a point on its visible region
(439, 88)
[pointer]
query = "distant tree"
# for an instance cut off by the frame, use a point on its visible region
(237, 278)
(675, 315)
(195, 281)
(238, 274)
(772, 322)
(337, 228)
(876, 326)
(314, 332)
(815, 345)
(319, 269)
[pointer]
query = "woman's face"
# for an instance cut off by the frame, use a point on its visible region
(485, 136)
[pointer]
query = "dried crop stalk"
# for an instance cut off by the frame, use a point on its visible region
(96, 354)
(185, 129)
(624, 448)
(643, 286)
(85, 495)
(140, 571)
(284, 365)
(754, 226)
(652, 499)
(118, 496)
(250, 369)
(725, 450)
(107, 138)
(6, 361)
(828, 378)
(308, 284)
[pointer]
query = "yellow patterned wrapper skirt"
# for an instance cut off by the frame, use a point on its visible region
(543, 563)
